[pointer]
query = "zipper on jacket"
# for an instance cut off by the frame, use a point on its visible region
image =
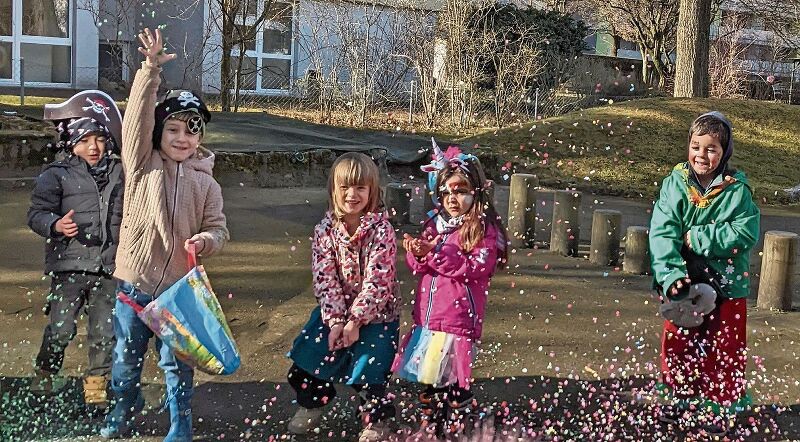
(102, 224)
(178, 175)
(472, 305)
(430, 291)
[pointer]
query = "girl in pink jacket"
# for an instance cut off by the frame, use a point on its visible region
(454, 259)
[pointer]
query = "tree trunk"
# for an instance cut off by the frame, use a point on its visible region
(645, 66)
(691, 67)
(225, 67)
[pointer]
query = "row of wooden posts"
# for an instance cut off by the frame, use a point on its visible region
(778, 265)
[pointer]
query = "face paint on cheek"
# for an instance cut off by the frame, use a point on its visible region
(468, 201)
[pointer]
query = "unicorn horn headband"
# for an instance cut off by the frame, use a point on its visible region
(452, 157)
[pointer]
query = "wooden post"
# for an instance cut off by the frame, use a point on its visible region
(637, 251)
(522, 210)
(398, 203)
(605, 237)
(565, 230)
(491, 186)
(777, 270)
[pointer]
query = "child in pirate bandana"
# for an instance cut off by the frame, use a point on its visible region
(77, 206)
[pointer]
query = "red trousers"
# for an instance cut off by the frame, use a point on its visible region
(708, 361)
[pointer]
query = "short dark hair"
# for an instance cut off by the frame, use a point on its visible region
(711, 125)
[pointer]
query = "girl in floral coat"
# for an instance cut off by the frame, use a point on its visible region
(351, 337)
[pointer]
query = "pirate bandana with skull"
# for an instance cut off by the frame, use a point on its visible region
(184, 105)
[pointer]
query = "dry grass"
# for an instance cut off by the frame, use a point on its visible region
(627, 148)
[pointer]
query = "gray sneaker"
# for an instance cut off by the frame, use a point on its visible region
(305, 420)
(376, 432)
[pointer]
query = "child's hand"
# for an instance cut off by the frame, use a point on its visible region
(350, 334)
(198, 241)
(688, 239)
(335, 337)
(66, 226)
(678, 285)
(418, 246)
(153, 48)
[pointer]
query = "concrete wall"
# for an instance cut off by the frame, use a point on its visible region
(85, 41)
(323, 37)
(182, 24)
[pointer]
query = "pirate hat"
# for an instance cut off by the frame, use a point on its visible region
(93, 104)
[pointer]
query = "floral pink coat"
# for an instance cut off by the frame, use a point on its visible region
(354, 277)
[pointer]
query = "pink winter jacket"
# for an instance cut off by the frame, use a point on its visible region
(453, 285)
(354, 277)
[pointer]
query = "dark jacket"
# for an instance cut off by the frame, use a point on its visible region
(65, 185)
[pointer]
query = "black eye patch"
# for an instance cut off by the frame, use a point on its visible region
(195, 124)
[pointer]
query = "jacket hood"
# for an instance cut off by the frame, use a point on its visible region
(728, 150)
(201, 161)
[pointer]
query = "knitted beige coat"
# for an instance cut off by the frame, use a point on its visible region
(165, 202)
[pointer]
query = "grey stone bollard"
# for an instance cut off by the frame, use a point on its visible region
(637, 251)
(398, 203)
(565, 230)
(777, 270)
(604, 249)
(522, 210)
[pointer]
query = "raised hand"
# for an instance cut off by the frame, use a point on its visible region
(153, 48)
(66, 226)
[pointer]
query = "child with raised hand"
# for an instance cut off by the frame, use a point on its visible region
(351, 337)
(171, 201)
(454, 259)
(77, 206)
(703, 227)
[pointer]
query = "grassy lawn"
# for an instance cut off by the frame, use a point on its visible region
(627, 148)
(619, 149)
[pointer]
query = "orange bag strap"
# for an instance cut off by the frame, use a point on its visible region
(130, 302)
(192, 256)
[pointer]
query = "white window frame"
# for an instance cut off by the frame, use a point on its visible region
(17, 39)
(259, 55)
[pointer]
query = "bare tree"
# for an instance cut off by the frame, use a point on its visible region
(358, 54)
(652, 24)
(464, 56)
(727, 70)
(238, 32)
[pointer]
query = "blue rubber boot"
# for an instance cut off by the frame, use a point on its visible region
(117, 424)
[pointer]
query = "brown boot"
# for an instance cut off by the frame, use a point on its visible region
(94, 391)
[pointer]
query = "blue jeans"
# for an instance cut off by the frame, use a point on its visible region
(126, 372)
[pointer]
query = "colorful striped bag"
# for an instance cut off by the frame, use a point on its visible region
(188, 318)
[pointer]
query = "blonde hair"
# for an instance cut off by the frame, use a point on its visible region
(353, 169)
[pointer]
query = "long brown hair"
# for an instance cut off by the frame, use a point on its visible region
(353, 169)
(481, 215)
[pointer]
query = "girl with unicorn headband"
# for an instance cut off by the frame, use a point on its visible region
(460, 247)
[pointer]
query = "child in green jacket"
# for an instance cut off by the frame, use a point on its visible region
(705, 218)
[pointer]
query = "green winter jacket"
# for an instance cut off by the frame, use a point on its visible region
(723, 223)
